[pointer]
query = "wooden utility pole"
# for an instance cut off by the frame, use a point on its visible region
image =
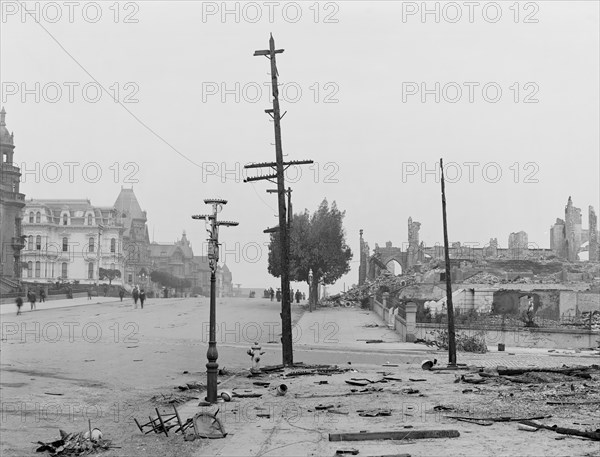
(278, 166)
(450, 307)
(290, 212)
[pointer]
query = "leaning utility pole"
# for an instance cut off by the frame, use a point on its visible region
(278, 166)
(450, 307)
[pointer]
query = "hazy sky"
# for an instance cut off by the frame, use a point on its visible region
(517, 112)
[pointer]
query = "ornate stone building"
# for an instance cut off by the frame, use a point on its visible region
(136, 242)
(70, 240)
(11, 205)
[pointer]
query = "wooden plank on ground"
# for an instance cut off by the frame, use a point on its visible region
(394, 435)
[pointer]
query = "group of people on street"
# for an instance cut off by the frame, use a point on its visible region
(138, 294)
(32, 299)
(270, 293)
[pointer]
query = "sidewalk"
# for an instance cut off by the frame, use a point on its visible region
(11, 308)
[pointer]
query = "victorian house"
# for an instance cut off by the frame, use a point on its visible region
(70, 240)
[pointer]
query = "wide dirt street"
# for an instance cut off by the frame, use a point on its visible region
(110, 363)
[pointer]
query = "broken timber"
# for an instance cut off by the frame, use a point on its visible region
(394, 435)
(563, 431)
(566, 370)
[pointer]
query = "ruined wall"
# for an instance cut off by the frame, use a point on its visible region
(414, 252)
(364, 254)
(593, 235)
(572, 230)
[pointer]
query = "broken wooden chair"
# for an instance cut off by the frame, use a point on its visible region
(164, 423)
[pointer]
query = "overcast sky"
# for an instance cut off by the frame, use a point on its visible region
(517, 113)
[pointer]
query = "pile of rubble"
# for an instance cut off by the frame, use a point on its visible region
(386, 280)
(81, 443)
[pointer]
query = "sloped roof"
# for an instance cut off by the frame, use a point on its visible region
(156, 250)
(128, 208)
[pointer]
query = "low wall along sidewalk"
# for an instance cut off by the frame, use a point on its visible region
(409, 330)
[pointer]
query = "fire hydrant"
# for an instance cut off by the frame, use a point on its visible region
(254, 353)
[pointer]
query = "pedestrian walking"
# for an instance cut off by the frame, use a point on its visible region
(42, 296)
(89, 293)
(271, 293)
(32, 300)
(121, 293)
(298, 295)
(142, 297)
(135, 293)
(19, 304)
(278, 295)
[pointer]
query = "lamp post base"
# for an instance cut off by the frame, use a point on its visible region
(212, 371)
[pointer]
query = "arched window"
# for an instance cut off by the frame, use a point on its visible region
(91, 245)
(30, 242)
(31, 217)
(65, 219)
(113, 245)
(38, 243)
(91, 270)
(29, 269)
(89, 219)
(65, 244)
(38, 217)
(38, 268)
(64, 270)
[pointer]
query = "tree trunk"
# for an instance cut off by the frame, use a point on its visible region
(315, 291)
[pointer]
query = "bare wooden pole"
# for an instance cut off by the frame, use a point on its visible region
(286, 314)
(450, 307)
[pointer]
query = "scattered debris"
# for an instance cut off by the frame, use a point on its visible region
(357, 383)
(374, 412)
(247, 395)
(346, 451)
(595, 435)
(76, 443)
(337, 411)
(391, 378)
(416, 379)
(394, 435)
(497, 419)
(208, 426)
(428, 364)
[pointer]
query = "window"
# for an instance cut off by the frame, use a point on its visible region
(30, 242)
(65, 219)
(89, 219)
(113, 245)
(38, 243)
(38, 217)
(91, 270)
(38, 268)
(29, 268)
(52, 270)
(91, 245)
(65, 244)
(64, 270)
(130, 278)
(31, 217)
